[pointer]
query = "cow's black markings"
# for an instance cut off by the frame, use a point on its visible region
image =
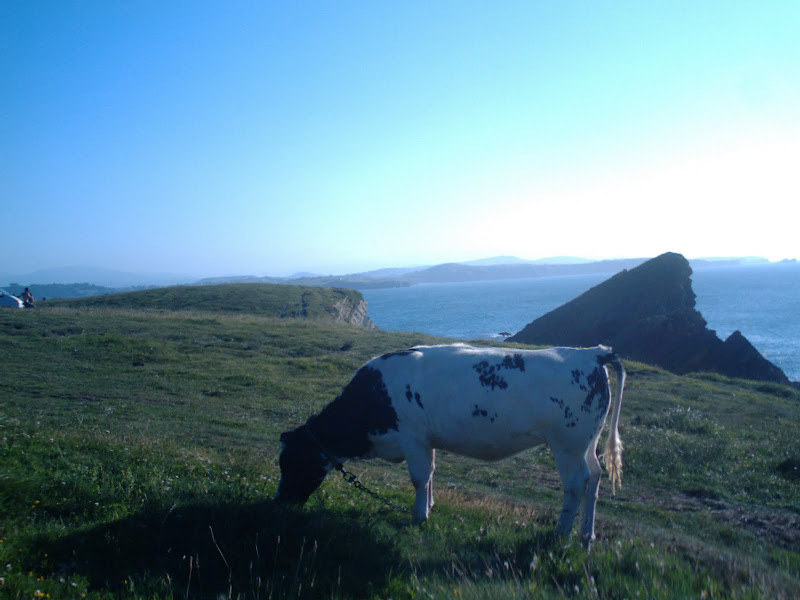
(489, 375)
(576, 379)
(364, 407)
(479, 412)
(598, 389)
(514, 361)
(598, 381)
(570, 419)
(414, 395)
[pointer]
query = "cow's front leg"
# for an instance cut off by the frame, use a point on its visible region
(420, 467)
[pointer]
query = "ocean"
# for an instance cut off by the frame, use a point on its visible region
(761, 301)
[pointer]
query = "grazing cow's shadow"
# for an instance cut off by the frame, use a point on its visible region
(263, 549)
(544, 554)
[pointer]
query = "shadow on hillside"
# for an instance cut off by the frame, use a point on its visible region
(261, 549)
(544, 552)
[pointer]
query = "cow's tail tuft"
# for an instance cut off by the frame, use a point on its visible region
(613, 451)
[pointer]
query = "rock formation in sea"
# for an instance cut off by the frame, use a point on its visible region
(648, 314)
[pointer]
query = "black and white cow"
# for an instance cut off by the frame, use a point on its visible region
(486, 403)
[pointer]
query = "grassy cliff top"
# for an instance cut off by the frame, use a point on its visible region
(138, 458)
(271, 300)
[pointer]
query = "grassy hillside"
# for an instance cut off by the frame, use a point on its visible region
(268, 300)
(138, 458)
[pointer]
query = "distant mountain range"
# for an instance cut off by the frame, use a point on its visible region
(499, 267)
(70, 282)
(513, 260)
(95, 276)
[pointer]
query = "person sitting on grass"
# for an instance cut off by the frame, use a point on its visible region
(27, 299)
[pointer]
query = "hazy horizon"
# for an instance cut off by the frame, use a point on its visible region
(271, 138)
(85, 273)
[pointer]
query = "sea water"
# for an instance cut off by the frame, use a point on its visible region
(761, 301)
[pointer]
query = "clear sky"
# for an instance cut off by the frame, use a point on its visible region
(263, 138)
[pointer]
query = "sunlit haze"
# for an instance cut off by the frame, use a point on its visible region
(224, 138)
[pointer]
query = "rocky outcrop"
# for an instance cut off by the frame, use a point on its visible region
(347, 310)
(738, 358)
(648, 314)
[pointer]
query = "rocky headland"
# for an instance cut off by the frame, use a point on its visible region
(648, 314)
(261, 299)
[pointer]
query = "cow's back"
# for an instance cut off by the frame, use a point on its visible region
(494, 402)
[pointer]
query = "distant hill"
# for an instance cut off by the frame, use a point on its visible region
(353, 282)
(486, 269)
(490, 269)
(283, 301)
(109, 278)
(480, 270)
(456, 272)
(43, 291)
(514, 260)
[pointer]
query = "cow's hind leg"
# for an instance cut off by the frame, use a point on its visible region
(574, 477)
(420, 467)
(590, 498)
(430, 481)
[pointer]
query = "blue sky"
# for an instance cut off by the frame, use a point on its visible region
(214, 138)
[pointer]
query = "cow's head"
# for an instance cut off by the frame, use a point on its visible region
(303, 467)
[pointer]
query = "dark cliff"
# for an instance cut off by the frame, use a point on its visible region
(648, 314)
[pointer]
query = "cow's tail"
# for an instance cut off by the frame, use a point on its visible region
(613, 451)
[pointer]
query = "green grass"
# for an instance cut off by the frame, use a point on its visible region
(138, 459)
